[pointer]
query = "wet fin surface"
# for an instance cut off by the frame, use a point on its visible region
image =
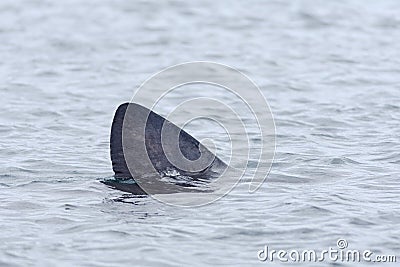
(189, 147)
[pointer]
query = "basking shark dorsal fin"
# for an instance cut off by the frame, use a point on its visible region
(133, 115)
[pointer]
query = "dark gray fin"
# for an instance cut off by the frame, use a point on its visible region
(138, 115)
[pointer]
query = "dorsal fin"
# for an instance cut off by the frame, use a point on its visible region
(188, 145)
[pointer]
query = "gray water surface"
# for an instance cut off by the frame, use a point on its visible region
(330, 71)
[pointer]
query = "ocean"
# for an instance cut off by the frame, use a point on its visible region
(330, 73)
